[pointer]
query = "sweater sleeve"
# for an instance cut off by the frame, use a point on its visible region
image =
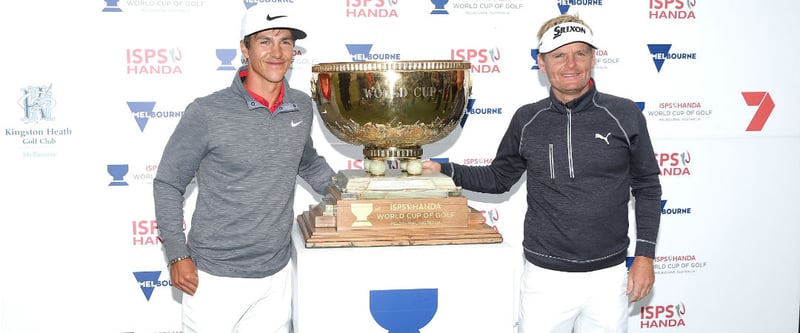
(645, 188)
(314, 169)
(504, 171)
(179, 163)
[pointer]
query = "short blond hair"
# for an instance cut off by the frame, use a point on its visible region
(564, 18)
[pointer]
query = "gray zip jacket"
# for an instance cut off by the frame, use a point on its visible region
(583, 161)
(246, 161)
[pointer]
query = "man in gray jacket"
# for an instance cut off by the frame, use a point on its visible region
(585, 153)
(245, 145)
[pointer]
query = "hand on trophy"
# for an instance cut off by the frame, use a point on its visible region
(430, 167)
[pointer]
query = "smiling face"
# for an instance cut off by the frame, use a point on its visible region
(269, 54)
(569, 70)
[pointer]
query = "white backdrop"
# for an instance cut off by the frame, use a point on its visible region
(92, 84)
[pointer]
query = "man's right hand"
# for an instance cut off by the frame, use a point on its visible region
(184, 276)
(430, 167)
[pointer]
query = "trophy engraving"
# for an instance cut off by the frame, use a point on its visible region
(392, 109)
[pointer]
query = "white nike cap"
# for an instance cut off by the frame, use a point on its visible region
(263, 17)
(563, 34)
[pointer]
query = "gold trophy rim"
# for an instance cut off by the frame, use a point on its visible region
(394, 65)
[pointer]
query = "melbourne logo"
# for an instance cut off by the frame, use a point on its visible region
(563, 5)
(672, 9)
(154, 61)
(535, 57)
(484, 110)
(148, 281)
(765, 105)
(363, 52)
(662, 316)
(143, 112)
(660, 53)
(371, 8)
(481, 60)
(668, 210)
(251, 3)
(472, 110)
(674, 164)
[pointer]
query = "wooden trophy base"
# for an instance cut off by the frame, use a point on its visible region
(393, 211)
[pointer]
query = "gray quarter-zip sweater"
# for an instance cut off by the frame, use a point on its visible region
(246, 161)
(583, 161)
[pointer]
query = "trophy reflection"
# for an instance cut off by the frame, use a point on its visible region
(392, 109)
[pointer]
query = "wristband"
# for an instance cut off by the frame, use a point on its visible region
(178, 259)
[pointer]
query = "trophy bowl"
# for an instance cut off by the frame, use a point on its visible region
(391, 108)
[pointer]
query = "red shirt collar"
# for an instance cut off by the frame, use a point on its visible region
(262, 100)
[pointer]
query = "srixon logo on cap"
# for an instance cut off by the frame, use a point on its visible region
(567, 29)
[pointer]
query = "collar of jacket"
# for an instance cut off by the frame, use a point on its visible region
(253, 104)
(581, 103)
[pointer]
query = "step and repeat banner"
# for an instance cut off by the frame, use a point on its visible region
(91, 91)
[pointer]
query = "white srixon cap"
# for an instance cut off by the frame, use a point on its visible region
(266, 16)
(563, 34)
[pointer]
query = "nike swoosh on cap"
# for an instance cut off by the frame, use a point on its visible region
(270, 18)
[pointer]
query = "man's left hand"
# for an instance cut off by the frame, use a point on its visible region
(640, 278)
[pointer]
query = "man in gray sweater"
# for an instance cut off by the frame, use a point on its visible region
(245, 145)
(585, 153)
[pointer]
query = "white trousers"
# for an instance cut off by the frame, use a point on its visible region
(240, 305)
(588, 302)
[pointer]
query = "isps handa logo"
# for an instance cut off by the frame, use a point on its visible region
(674, 164)
(672, 9)
(153, 61)
(491, 216)
(662, 316)
(371, 8)
(481, 60)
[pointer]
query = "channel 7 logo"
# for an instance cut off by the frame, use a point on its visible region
(763, 100)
